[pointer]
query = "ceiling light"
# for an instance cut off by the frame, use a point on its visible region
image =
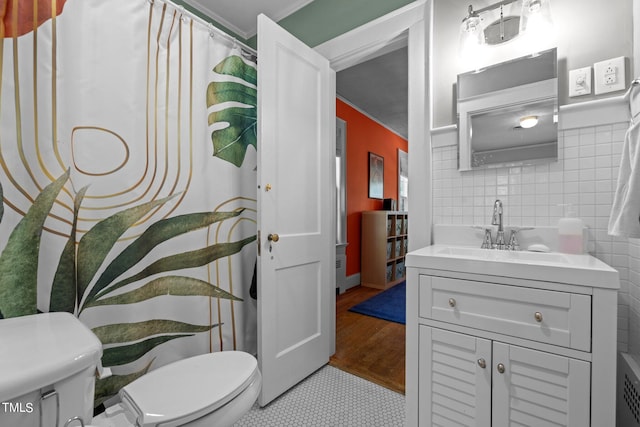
(528, 121)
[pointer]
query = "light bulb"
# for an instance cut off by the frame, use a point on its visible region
(536, 17)
(471, 45)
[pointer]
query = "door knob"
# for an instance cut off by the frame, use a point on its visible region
(273, 237)
(501, 368)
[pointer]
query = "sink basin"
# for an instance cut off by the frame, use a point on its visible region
(540, 266)
(514, 256)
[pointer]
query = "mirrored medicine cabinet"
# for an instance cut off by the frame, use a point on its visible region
(508, 113)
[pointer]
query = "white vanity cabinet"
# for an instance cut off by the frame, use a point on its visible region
(485, 349)
(472, 381)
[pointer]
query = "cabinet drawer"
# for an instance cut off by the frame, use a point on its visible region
(557, 318)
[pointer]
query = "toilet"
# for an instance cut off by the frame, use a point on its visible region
(48, 369)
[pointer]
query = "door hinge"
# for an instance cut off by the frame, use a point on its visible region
(258, 242)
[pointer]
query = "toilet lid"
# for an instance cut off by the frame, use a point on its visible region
(190, 388)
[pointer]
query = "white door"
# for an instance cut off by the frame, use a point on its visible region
(296, 205)
(455, 379)
(533, 388)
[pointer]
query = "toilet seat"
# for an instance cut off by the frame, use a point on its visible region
(189, 389)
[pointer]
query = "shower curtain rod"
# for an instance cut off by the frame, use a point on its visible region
(211, 27)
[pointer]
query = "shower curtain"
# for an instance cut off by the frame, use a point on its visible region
(128, 179)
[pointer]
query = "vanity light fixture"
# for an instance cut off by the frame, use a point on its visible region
(471, 34)
(527, 122)
(535, 18)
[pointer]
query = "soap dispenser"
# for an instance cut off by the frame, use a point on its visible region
(570, 232)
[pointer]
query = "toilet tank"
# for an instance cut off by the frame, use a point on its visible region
(47, 369)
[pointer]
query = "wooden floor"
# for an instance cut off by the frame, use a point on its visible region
(366, 346)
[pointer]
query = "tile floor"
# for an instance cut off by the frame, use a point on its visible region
(331, 397)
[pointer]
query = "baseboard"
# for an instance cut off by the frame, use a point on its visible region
(350, 282)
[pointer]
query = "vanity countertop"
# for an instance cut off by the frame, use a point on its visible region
(582, 270)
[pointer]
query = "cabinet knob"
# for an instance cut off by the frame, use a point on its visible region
(482, 363)
(501, 368)
(452, 302)
(538, 316)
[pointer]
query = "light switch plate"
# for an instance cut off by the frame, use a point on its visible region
(580, 82)
(609, 75)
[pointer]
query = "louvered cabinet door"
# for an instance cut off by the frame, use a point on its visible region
(455, 379)
(534, 388)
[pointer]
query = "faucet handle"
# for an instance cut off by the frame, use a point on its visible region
(514, 245)
(487, 241)
(516, 228)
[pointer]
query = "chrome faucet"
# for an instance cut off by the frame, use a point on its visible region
(496, 219)
(500, 243)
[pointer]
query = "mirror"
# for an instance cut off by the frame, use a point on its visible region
(494, 105)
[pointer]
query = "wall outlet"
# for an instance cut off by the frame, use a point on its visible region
(610, 79)
(580, 82)
(609, 75)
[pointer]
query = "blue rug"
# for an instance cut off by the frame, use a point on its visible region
(387, 305)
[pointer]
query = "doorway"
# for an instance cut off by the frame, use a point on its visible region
(372, 120)
(411, 23)
(372, 117)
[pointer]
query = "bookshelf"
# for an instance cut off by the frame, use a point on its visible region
(384, 245)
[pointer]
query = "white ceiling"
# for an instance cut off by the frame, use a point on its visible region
(377, 87)
(240, 16)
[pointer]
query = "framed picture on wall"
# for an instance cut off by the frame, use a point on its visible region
(376, 176)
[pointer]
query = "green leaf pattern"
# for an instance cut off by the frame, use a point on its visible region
(239, 111)
(84, 279)
(121, 355)
(1, 203)
(188, 259)
(79, 264)
(163, 286)
(157, 233)
(96, 244)
(128, 332)
(64, 288)
(18, 275)
(108, 387)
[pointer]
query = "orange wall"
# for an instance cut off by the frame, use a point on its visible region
(365, 135)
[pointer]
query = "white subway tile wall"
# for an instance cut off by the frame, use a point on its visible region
(585, 176)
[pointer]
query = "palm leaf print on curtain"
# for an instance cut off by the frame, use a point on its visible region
(239, 114)
(112, 207)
